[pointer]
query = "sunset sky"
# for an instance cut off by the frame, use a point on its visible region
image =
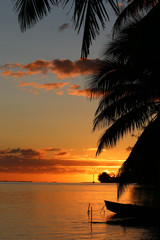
(46, 117)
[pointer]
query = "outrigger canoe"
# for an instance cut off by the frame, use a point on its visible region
(130, 210)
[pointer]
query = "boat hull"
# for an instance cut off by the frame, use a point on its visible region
(130, 210)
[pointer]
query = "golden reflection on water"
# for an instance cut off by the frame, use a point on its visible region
(59, 211)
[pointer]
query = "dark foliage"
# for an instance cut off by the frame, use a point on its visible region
(107, 178)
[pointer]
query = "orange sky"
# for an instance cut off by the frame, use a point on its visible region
(60, 165)
(46, 117)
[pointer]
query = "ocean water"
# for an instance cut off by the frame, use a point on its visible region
(50, 211)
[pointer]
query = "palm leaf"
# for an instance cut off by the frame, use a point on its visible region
(130, 121)
(110, 74)
(117, 109)
(132, 11)
(125, 177)
(31, 11)
(131, 93)
(89, 13)
(122, 91)
(135, 44)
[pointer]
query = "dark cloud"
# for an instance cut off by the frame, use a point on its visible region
(19, 160)
(25, 153)
(49, 149)
(63, 27)
(61, 153)
(63, 68)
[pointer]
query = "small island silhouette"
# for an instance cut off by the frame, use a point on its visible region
(108, 178)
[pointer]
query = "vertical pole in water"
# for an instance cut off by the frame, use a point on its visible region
(91, 214)
(91, 221)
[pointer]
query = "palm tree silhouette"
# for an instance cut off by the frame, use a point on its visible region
(128, 79)
(143, 164)
(132, 10)
(88, 13)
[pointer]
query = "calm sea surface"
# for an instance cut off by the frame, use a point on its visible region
(48, 211)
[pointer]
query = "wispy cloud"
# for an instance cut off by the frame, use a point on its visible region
(91, 149)
(17, 74)
(47, 86)
(58, 87)
(28, 160)
(63, 27)
(62, 153)
(75, 90)
(51, 149)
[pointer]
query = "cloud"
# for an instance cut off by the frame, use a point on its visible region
(73, 87)
(80, 92)
(60, 93)
(25, 153)
(28, 160)
(63, 27)
(50, 149)
(61, 153)
(91, 149)
(66, 68)
(62, 68)
(75, 90)
(10, 65)
(18, 74)
(46, 86)
(34, 91)
(38, 66)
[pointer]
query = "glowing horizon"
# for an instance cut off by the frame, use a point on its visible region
(46, 115)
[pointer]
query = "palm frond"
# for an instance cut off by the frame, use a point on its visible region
(131, 94)
(132, 11)
(89, 13)
(130, 121)
(110, 74)
(137, 37)
(31, 11)
(117, 109)
(116, 94)
(126, 44)
(125, 176)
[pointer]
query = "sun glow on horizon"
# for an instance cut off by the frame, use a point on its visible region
(46, 114)
(50, 164)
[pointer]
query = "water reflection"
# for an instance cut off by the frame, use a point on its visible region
(59, 211)
(145, 195)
